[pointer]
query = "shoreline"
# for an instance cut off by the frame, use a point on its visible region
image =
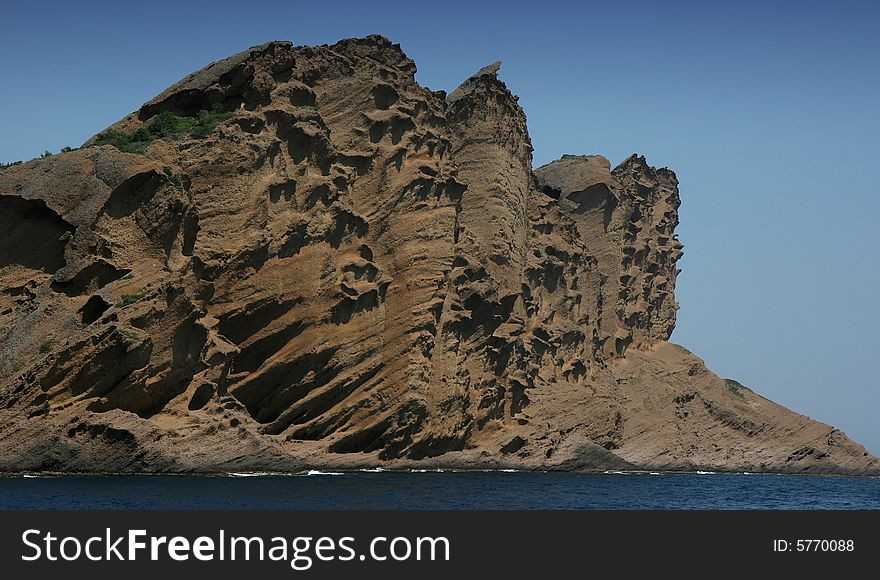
(396, 471)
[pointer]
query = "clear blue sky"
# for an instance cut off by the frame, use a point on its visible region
(768, 112)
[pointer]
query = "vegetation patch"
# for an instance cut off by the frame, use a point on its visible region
(132, 336)
(736, 388)
(47, 346)
(175, 179)
(129, 299)
(166, 126)
(43, 156)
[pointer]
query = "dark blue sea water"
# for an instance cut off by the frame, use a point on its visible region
(468, 490)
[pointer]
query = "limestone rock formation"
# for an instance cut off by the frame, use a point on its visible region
(300, 258)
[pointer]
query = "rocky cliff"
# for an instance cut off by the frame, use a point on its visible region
(300, 258)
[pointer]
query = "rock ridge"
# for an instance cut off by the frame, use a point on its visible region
(298, 257)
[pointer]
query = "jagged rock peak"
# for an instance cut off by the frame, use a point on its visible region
(488, 72)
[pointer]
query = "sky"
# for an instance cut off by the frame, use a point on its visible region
(768, 112)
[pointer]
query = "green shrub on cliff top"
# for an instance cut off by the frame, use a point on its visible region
(166, 126)
(736, 388)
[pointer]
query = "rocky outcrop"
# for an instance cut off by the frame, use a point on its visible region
(300, 258)
(626, 219)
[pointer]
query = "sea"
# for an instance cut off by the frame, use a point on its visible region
(444, 490)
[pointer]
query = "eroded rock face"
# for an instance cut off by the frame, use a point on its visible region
(626, 218)
(350, 270)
